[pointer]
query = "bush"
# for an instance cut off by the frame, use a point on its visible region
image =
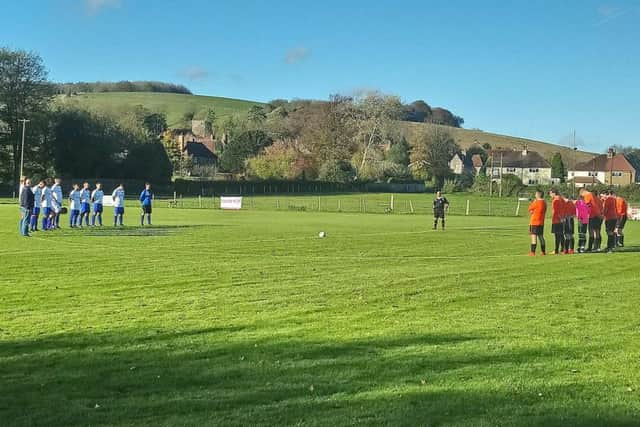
(449, 187)
(337, 171)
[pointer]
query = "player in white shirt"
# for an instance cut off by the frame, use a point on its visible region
(56, 199)
(46, 203)
(96, 198)
(37, 196)
(118, 205)
(85, 204)
(74, 206)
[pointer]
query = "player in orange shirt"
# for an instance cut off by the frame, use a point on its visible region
(595, 219)
(610, 219)
(537, 210)
(621, 209)
(557, 220)
(569, 225)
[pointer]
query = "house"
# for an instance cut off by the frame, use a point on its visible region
(199, 154)
(608, 169)
(462, 163)
(198, 145)
(527, 165)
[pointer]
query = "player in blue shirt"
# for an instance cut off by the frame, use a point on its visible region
(35, 214)
(85, 204)
(96, 197)
(74, 205)
(146, 199)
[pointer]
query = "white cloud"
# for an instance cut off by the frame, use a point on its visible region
(297, 54)
(609, 12)
(93, 7)
(194, 73)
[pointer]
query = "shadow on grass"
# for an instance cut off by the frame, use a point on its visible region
(126, 231)
(222, 376)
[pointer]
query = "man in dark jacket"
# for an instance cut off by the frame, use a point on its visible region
(440, 206)
(27, 202)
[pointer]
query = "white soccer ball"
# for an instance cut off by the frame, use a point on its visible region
(322, 234)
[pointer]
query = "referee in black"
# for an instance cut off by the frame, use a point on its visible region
(440, 206)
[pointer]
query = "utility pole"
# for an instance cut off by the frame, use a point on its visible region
(24, 125)
(573, 187)
(501, 164)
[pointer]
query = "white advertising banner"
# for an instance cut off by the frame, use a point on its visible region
(633, 213)
(107, 200)
(231, 203)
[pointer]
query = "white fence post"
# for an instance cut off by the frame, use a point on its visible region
(467, 211)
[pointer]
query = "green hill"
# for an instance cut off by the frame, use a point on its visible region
(467, 138)
(174, 105)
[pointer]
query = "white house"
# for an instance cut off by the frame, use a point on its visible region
(527, 165)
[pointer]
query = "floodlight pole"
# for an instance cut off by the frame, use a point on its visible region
(24, 125)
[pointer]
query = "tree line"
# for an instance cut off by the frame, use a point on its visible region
(121, 86)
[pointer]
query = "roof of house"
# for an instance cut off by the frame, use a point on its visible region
(603, 163)
(476, 159)
(585, 180)
(518, 159)
(196, 149)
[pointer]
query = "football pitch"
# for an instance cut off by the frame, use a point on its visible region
(249, 318)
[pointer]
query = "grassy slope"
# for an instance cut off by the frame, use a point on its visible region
(466, 138)
(249, 319)
(174, 105)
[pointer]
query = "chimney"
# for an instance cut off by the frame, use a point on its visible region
(611, 153)
(525, 151)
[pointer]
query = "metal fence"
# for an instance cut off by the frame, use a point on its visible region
(374, 204)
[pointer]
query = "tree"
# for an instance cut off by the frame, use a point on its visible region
(372, 116)
(418, 111)
(557, 167)
(257, 115)
(399, 152)
(154, 124)
(148, 162)
(281, 161)
(432, 153)
(337, 171)
(24, 93)
(442, 116)
(240, 148)
(87, 145)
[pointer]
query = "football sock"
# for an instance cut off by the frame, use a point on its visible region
(533, 248)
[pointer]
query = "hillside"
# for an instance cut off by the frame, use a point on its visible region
(172, 104)
(176, 105)
(466, 138)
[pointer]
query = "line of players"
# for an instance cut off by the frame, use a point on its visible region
(85, 205)
(589, 210)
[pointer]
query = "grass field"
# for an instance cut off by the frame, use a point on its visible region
(172, 104)
(248, 318)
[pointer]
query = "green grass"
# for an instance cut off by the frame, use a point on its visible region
(172, 104)
(404, 203)
(248, 318)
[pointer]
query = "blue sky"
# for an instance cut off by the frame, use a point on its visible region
(536, 69)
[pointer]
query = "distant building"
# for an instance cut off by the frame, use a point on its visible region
(608, 169)
(527, 165)
(477, 162)
(462, 163)
(198, 144)
(199, 154)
